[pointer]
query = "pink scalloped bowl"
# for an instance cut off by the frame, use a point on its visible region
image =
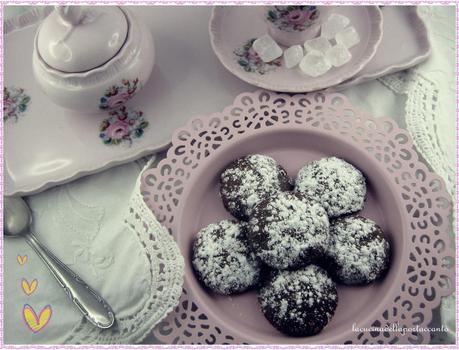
(404, 198)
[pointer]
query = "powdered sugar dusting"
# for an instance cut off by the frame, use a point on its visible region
(284, 229)
(289, 230)
(248, 180)
(299, 302)
(336, 184)
(358, 248)
(222, 259)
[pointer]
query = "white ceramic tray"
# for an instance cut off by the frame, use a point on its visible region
(404, 44)
(45, 144)
(48, 145)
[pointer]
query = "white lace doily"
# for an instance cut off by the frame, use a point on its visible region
(102, 229)
(430, 94)
(430, 108)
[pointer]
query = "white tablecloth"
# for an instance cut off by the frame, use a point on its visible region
(430, 123)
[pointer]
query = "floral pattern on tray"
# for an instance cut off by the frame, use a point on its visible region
(116, 95)
(292, 18)
(123, 126)
(249, 60)
(15, 103)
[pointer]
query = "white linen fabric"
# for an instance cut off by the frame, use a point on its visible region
(120, 250)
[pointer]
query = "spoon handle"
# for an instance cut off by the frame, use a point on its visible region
(93, 307)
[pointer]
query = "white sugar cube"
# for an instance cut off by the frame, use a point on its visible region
(262, 43)
(271, 53)
(267, 48)
(348, 37)
(314, 64)
(338, 55)
(317, 44)
(333, 25)
(293, 56)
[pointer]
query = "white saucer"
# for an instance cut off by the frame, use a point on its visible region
(231, 27)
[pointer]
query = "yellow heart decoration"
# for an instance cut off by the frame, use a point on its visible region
(34, 322)
(27, 287)
(21, 259)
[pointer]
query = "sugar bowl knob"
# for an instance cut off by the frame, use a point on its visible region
(71, 15)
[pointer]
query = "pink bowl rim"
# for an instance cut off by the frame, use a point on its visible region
(194, 286)
(408, 144)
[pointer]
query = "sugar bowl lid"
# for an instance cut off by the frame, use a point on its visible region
(80, 38)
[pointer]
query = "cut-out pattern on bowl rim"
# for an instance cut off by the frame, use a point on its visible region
(430, 273)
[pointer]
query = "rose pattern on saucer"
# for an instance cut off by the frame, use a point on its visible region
(292, 18)
(124, 125)
(249, 60)
(117, 95)
(15, 103)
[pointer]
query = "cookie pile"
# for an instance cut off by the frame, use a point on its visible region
(291, 241)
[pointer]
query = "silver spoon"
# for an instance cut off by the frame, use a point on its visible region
(17, 219)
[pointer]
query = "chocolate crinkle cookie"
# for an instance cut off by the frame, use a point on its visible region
(301, 302)
(337, 185)
(248, 180)
(287, 231)
(222, 260)
(358, 252)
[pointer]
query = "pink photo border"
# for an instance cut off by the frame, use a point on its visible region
(4, 3)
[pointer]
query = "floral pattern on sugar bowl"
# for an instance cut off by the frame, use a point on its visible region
(117, 95)
(15, 103)
(249, 60)
(292, 18)
(123, 126)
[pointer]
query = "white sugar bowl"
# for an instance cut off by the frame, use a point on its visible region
(92, 58)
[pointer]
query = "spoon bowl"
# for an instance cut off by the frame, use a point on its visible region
(17, 219)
